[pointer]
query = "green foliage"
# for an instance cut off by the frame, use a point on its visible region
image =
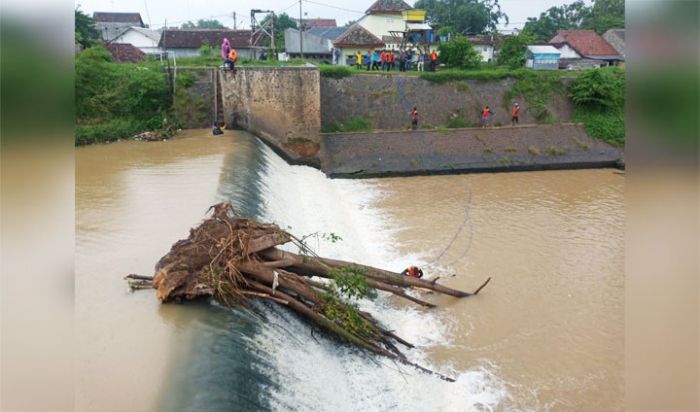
(446, 76)
(203, 24)
(85, 32)
(463, 16)
(335, 72)
(536, 88)
(106, 92)
(282, 22)
(459, 53)
(513, 50)
(456, 123)
(353, 124)
(601, 16)
(607, 125)
(350, 281)
(347, 316)
(205, 50)
(599, 89)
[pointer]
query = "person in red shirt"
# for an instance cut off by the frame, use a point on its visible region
(383, 59)
(433, 60)
(413, 271)
(486, 114)
(391, 60)
(414, 118)
(515, 114)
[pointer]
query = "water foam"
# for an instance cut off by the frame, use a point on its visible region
(313, 371)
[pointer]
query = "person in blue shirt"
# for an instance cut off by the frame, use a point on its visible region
(375, 60)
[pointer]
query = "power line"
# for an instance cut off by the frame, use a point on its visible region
(334, 7)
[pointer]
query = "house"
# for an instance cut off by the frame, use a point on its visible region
(317, 42)
(186, 42)
(110, 25)
(543, 57)
(353, 39)
(145, 39)
(126, 53)
(583, 48)
(316, 23)
(616, 38)
(484, 44)
(384, 17)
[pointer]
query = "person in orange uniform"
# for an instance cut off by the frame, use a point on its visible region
(486, 114)
(413, 271)
(232, 57)
(514, 118)
(433, 60)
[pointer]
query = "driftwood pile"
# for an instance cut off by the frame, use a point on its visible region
(235, 260)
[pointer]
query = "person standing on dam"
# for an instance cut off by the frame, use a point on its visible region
(225, 50)
(358, 60)
(514, 118)
(414, 118)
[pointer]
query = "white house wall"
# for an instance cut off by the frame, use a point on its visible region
(381, 24)
(567, 52)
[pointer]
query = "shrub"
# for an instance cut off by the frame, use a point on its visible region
(513, 50)
(598, 89)
(335, 72)
(353, 124)
(446, 76)
(459, 53)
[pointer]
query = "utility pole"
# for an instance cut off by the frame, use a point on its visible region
(301, 37)
(234, 21)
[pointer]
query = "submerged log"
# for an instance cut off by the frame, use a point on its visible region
(236, 260)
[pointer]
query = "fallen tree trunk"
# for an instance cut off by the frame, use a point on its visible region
(236, 260)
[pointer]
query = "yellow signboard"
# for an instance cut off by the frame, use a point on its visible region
(414, 15)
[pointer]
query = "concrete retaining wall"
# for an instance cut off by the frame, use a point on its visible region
(280, 105)
(386, 101)
(533, 147)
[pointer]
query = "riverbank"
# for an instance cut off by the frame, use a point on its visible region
(466, 150)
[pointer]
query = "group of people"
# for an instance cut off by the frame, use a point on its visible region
(487, 113)
(387, 60)
(229, 55)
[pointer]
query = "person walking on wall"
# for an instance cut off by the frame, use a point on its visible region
(225, 50)
(514, 118)
(414, 118)
(421, 62)
(358, 60)
(486, 114)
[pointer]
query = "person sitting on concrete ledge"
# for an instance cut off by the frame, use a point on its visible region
(216, 130)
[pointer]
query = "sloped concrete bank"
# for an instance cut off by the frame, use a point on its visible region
(519, 148)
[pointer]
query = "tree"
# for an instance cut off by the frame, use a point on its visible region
(568, 16)
(85, 32)
(349, 23)
(601, 16)
(282, 22)
(463, 16)
(512, 51)
(605, 15)
(599, 89)
(203, 24)
(459, 53)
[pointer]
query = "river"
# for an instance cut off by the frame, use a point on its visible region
(546, 334)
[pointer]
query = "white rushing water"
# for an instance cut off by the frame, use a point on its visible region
(314, 372)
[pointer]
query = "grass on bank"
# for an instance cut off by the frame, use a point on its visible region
(354, 124)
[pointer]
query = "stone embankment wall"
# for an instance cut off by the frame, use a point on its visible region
(386, 101)
(531, 147)
(280, 105)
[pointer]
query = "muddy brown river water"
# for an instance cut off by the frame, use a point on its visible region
(546, 334)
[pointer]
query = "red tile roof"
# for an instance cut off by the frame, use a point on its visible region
(358, 36)
(126, 53)
(388, 7)
(194, 38)
(108, 17)
(586, 42)
(311, 23)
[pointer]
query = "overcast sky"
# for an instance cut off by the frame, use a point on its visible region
(176, 12)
